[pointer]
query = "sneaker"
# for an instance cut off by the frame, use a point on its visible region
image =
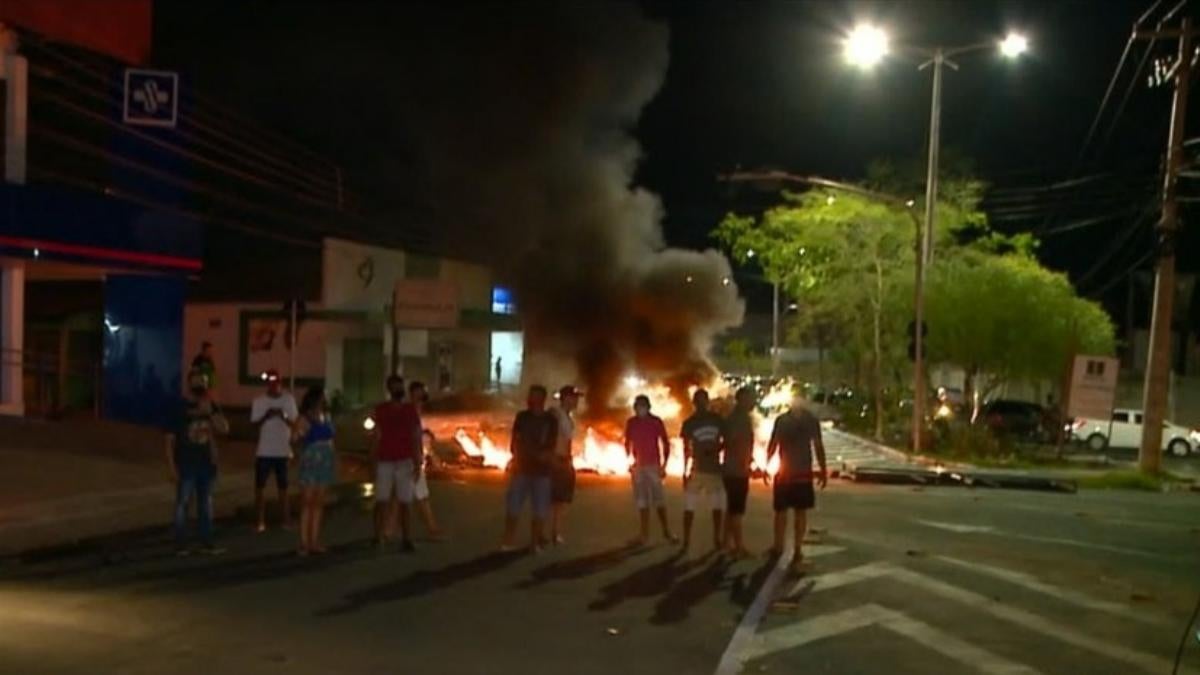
(211, 549)
(406, 546)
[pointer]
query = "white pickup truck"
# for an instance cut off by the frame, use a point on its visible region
(1127, 433)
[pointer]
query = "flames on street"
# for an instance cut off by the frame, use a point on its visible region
(600, 448)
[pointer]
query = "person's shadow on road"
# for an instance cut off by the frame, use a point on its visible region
(421, 582)
(689, 592)
(581, 567)
(646, 582)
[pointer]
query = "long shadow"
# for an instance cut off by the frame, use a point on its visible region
(744, 589)
(420, 583)
(646, 582)
(677, 604)
(581, 567)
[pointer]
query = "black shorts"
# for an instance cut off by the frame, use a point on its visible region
(265, 466)
(736, 491)
(562, 483)
(794, 496)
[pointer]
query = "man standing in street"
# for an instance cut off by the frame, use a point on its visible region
(192, 461)
(739, 452)
(534, 434)
(562, 488)
(797, 434)
(703, 486)
(647, 443)
(204, 364)
(398, 461)
(274, 413)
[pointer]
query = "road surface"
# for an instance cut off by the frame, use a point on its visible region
(903, 580)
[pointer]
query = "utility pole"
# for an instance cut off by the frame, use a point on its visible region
(924, 251)
(1158, 363)
(775, 330)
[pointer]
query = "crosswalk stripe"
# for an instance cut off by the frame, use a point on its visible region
(1028, 620)
(811, 630)
(1065, 594)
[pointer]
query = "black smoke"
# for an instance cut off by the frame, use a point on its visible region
(525, 120)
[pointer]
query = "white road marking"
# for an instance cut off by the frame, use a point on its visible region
(829, 625)
(956, 527)
(1027, 620)
(1064, 594)
(732, 660)
(984, 529)
(843, 577)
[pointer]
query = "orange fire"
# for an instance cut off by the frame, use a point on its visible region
(606, 456)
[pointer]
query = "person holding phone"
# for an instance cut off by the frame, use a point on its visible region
(274, 413)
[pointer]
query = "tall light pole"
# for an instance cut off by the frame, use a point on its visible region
(865, 47)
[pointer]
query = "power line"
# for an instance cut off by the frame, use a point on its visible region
(304, 178)
(58, 51)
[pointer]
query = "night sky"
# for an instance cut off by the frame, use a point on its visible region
(748, 84)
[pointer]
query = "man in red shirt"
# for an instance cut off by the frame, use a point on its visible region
(646, 441)
(399, 455)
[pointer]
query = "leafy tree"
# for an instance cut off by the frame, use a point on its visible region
(1005, 317)
(841, 254)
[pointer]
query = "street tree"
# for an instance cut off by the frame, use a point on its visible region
(841, 255)
(1005, 317)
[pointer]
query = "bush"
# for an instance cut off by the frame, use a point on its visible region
(967, 441)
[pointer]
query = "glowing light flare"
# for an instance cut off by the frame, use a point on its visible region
(866, 46)
(779, 396)
(369, 424)
(1014, 45)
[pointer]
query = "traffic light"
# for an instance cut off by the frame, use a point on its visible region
(912, 338)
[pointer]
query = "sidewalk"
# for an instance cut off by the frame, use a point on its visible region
(67, 481)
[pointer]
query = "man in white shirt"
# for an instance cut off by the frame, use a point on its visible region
(562, 478)
(274, 413)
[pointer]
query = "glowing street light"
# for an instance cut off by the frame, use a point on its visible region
(1014, 45)
(866, 46)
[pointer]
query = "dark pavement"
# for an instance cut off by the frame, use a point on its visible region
(902, 580)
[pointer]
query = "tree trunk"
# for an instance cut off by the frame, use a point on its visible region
(969, 398)
(820, 358)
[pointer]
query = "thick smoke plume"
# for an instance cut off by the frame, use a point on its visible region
(529, 139)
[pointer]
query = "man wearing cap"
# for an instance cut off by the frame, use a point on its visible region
(796, 437)
(703, 443)
(562, 479)
(274, 413)
(192, 461)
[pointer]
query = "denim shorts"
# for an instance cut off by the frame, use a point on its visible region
(536, 489)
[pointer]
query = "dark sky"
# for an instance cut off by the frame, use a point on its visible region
(749, 84)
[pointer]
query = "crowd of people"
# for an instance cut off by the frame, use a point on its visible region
(718, 466)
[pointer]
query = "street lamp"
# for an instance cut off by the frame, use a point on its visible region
(865, 46)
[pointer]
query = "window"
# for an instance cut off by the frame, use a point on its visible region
(1122, 417)
(503, 301)
(1138, 418)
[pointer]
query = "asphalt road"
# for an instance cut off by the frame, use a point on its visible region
(902, 580)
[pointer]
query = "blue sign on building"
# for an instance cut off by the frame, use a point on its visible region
(151, 97)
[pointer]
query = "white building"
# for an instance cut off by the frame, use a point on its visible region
(448, 333)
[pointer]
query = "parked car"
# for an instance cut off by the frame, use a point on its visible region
(1016, 419)
(1127, 433)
